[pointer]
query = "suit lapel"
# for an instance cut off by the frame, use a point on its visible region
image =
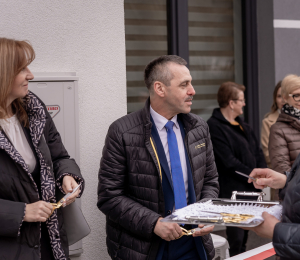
(161, 153)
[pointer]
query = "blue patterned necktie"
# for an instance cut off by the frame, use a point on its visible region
(176, 170)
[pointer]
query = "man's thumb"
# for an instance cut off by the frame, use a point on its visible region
(262, 182)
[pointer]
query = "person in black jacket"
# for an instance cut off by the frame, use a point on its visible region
(35, 168)
(236, 149)
(285, 233)
(138, 183)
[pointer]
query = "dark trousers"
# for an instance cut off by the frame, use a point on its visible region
(237, 239)
(181, 249)
(46, 250)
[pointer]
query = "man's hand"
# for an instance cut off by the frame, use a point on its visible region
(68, 185)
(267, 177)
(167, 231)
(38, 211)
(265, 229)
(204, 231)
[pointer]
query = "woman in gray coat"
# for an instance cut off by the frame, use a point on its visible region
(35, 171)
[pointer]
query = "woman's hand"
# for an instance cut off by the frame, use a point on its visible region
(38, 211)
(68, 184)
(266, 229)
(267, 177)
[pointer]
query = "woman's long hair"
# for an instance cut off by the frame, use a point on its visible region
(274, 107)
(14, 56)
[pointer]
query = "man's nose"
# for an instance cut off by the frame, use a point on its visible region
(192, 91)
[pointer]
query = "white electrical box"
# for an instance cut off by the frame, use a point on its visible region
(59, 92)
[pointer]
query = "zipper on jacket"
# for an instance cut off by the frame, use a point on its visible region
(152, 144)
(189, 157)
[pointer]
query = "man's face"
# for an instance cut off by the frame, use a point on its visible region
(179, 95)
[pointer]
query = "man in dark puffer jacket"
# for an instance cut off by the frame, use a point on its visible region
(136, 187)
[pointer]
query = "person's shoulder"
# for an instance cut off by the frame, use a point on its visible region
(200, 121)
(127, 122)
(212, 121)
(271, 117)
(278, 126)
(216, 119)
(244, 124)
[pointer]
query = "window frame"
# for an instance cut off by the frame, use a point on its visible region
(178, 44)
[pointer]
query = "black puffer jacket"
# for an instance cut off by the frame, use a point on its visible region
(235, 150)
(286, 238)
(22, 240)
(130, 190)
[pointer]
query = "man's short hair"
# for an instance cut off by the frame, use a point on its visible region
(229, 91)
(157, 70)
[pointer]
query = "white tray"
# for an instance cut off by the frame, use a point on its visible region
(219, 201)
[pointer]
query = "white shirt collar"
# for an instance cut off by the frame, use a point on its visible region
(161, 121)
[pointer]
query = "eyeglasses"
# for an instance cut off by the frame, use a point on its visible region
(296, 97)
(242, 100)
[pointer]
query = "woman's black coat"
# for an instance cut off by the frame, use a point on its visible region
(286, 237)
(21, 240)
(235, 150)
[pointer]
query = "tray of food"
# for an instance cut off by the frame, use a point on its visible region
(227, 212)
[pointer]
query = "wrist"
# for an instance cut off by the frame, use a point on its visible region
(282, 181)
(156, 224)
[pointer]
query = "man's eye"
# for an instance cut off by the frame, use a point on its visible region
(297, 95)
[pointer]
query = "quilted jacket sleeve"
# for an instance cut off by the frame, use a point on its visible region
(62, 163)
(286, 240)
(112, 198)
(286, 237)
(211, 185)
(278, 150)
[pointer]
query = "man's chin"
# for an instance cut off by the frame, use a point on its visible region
(186, 111)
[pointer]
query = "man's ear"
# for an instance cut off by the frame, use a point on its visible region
(159, 88)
